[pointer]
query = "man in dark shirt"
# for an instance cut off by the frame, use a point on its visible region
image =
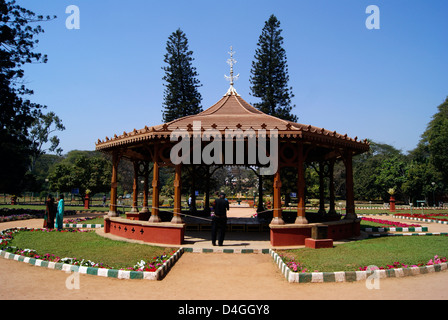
(219, 222)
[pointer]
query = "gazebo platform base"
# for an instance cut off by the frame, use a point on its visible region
(312, 235)
(296, 234)
(162, 233)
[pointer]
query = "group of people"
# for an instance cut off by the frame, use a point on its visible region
(54, 215)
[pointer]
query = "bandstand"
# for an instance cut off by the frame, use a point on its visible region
(228, 133)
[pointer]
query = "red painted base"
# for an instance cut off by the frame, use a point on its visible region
(318, 243)
(156, 233)
(289, 235)
(344, 230)
(295, 234)
(138, 216)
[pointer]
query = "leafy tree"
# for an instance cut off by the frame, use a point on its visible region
(181, 96)
(85, 173)
(41, 131)
(269, 79)
(38, 178)
(60, 177)
(434, 140)
(17, 42)
(370, 182)
(418, 184)
(430, 159)
(391, 175)
(92, 174)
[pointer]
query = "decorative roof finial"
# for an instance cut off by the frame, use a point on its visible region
(232, 78)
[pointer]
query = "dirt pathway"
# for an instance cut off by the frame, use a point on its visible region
(206, 277)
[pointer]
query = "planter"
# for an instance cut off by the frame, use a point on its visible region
(87, 202)
(392, 204)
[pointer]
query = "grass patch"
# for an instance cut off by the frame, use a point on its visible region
(87, 245)
(380, 252)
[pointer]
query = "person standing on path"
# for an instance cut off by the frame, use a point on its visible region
(60, 214)
(49, 213)
(219, 222)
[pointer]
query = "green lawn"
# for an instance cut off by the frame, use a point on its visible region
(87, 245)
(380, 252)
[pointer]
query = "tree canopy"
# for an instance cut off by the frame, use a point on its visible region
(89, 174)
(17, 44)
(181, 95)
(269, 73)
(434, 140)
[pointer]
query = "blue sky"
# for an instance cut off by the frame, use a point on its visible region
(106, 77)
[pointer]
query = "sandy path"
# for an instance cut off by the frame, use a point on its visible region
(207, 277)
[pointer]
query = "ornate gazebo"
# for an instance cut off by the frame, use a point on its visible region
(232, 120)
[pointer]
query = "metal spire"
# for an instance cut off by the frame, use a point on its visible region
(231, 78)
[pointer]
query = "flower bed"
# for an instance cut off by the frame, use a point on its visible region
(7, 214)
(153, 269)
(15, 217)
(78, 220)
(399, 265)
(294, 265)
(298, 267)
(427, 216)
(387, 223)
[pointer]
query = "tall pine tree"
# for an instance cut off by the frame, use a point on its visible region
(269, 79)
(181, 95)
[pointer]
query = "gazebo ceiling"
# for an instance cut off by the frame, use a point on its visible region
(233, 112)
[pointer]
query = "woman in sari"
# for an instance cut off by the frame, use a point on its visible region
(47, 212)
(60, 213)
(49, 216)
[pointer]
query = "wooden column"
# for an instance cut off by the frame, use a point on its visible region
(207, 191)
(114, 183)
(332, 210)
(260, 207)
(145, 188)
(177, 219)
(277, 218)
(350, 198)
(301, 205)
(134, 208)
(155, 189)
(321, 188)
(193, 208)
